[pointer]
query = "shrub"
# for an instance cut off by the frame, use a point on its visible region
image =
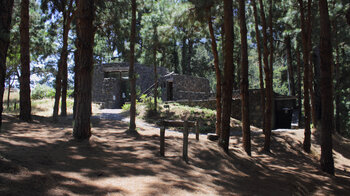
(149, 102)
(42, 91)
(126, 107)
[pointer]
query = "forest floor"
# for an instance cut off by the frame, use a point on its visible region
(42, 158)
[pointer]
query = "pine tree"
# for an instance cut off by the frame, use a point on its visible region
(82, 127)
(327, 162)
(25, 104)
(5, 27)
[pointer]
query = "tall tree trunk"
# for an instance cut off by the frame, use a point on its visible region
(327, 162)
(9, 92)
(155, 67)
(217, 74)
(312, 95)
(58, 85)
(304, 36)
(228, 76)
(184, 56)
(132, 78)
(5, 26)
(64, 55)
(299, 81)
(244, 79)
(82, 127)
(337, 80)
(268, 82)
(189, 56)
(76, 80)
(25, 104)
(176, 58)
(261, 77)
(290, 65)
(68, 17)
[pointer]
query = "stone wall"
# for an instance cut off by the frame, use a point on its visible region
(186, 87)
(255, 114)
(108, 91)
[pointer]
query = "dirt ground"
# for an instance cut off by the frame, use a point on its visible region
(42, 158)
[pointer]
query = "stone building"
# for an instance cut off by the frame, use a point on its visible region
(110, 85)
(283, 108)
(179, 87)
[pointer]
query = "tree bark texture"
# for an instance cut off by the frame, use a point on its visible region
(69, 15)
(244, 79)
(25, 104)
(327, 162)
(228, 76)
(132, 78)
(304, 37)
(5, 27)
(217, 74)
(82, 127)
(261, 77)
(268, 82)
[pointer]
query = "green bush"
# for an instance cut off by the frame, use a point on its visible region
(42, 91)
(126, 107)
(149, 102)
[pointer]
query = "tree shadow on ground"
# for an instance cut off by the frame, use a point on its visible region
(41, 158)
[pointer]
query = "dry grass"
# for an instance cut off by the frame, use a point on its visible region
(40, 107)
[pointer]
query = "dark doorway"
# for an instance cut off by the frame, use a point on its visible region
(124, 92)
(169, 91)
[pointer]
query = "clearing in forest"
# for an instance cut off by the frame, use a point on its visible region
(41, 158)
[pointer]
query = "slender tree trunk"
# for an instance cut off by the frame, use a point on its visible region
(58, 85)
(261, 77)
(64, 56)
(76, 80)
(5, 27)
(268, 82)
(244, 79)
(327, 162)
(9, 92)
(312, 95)
(132, 78)
(337, 80)
(176, 58)
(290, 65)
(155, 67)
(189, 56)
(304, 35)
(228, 76)
(236, 81)
(25, 104)
(82, 127)
(217, 74)
(184, 56)
(299, 81)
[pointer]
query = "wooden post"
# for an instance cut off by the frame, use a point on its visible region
(185, 141)
(197, 130)
(162, 141)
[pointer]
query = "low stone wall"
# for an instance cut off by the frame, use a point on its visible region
(255, 114)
